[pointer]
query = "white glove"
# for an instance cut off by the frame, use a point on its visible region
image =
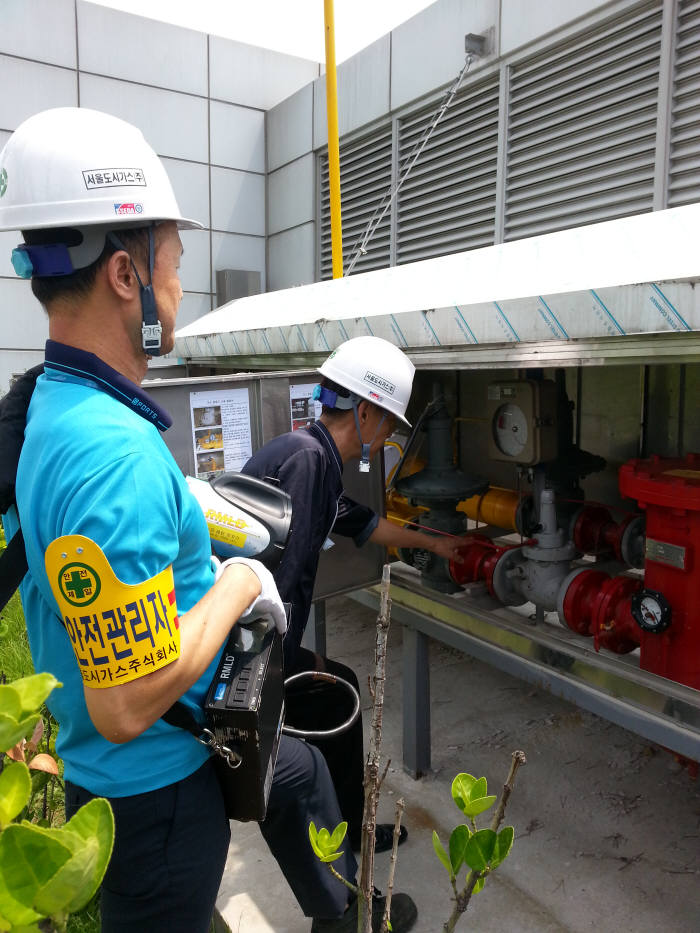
(269, 599)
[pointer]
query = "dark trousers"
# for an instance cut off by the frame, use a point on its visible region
(322, 705)
(171, 844)
(170, 847)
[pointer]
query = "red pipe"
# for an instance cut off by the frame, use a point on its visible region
(479, 558)
(596, 532)
(599, 605)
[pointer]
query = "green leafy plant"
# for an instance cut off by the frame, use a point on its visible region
(480, 850)
(46, 873)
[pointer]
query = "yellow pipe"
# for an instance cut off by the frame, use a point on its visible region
(333, 145)
(496, 506)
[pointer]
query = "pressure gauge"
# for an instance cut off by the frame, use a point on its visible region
(651, 611)
(510, 430)
(523, 418)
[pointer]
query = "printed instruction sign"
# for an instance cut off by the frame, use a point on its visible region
(220, 431)
(305, 410)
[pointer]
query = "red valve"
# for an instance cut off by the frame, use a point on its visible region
(599, 605)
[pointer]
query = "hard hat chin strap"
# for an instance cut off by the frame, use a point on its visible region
(151, 328)
(364, 456)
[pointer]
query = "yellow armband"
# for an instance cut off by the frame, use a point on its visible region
(118, 632)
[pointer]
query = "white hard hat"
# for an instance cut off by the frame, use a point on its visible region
(78, 168)
(373, 369)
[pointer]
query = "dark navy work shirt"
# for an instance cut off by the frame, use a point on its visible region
(308, 467)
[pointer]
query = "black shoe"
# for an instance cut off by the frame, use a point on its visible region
(403, 916)
(383, 838)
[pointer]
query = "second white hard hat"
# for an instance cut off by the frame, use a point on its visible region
(373, 369)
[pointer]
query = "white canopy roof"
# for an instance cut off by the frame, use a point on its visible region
(625, 276)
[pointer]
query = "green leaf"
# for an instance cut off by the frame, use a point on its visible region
(479, 789)
(480, 882)
(73, 885)
(11, 731)
(442, 855)
(461, 789)
(478, 804)
(13, 915)
(29, 857)
(313, 839)
(15, 788)
(504, 843)
(34, 690)
(94, 820)
(479, 849)
(458, 841)
(10, 702)
(324, 844)
(338, 834)
(39, 780)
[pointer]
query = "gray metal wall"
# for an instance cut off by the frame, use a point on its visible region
(582, 111)
(199, 100)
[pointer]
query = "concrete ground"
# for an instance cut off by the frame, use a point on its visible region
(607, 827)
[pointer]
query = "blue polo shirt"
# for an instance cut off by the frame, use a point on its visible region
(94, 463)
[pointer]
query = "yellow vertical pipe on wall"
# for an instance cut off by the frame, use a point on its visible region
(333, 146)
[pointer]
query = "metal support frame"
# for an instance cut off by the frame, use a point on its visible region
(416, 702)
(559, 661)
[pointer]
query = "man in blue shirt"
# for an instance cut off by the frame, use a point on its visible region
(122, 603)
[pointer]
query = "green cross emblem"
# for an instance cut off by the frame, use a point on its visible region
(3, 182)
(79, 584)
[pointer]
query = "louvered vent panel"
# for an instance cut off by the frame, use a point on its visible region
(448, 201)
(582, 126)
(684, 170)
(365, 177)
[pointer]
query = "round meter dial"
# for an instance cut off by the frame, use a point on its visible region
(510, 430)
(651, 611)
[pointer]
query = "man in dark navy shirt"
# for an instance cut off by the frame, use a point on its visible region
(366, 388)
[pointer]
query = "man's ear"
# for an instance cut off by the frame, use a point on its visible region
(363, 410)
(120, 276)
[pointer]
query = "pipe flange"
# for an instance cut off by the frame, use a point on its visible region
(563, 590)
(633, 541)
(503, 580)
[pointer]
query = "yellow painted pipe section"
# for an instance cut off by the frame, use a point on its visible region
(333, 144)
(496, 506)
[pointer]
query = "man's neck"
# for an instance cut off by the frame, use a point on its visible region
(344, 434)
(103, 335)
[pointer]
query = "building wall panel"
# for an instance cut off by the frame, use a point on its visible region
(291, 194)
(41, 29)
(237, 137)
(174, 124)
(147, 51)
(237, 201)
(290, 128)
(291, 257)
(30, 87)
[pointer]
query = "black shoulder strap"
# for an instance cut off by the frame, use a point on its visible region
(13, 419)
(13, 566)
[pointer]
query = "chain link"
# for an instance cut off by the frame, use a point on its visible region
(231, 757)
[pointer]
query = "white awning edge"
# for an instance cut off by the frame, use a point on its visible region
(632, 275)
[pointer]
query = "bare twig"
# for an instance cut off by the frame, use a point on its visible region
(372, 780)
(400, 806)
